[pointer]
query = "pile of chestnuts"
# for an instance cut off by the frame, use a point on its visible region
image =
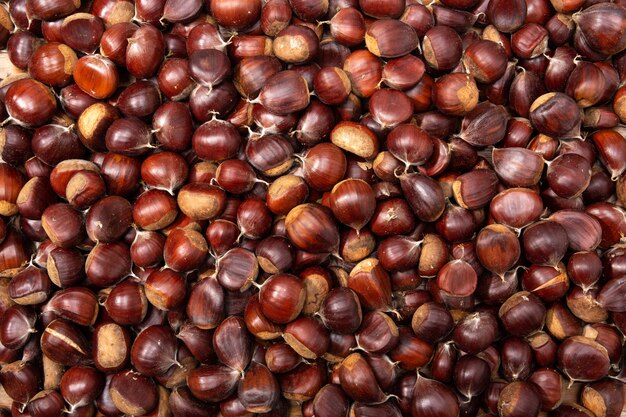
(316, 208)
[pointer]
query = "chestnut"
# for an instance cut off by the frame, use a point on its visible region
(109, 219)
(285, 92)
(484, 125)
(253, 218)
(424, 195)
(64, 343)
(365, 72)
(46, 402)
(296, 44)
(20, 380)
(172, 125)
(235, 15)
(434, 398)
(133, 393)
(155, 351)
(322, 237)
(30, 103)
(82, 32)
(107, 263)
(371, 283)
(475, 189)
(378, 334)
(41, 9)
(486, 61)
(307, 336)
(341, 311)
(205, 307)
(598, 31)
(303, 382)
(455, 94)
(519, 398)
(11, 184)
(233, 344)
(555, 114)
(497, 248)
(84, 189)
(63, 225)
(471, 375)
(111, 346)
(518, 167)
(465, 338)
(390, 38)
(53, 64)
(442, 47)
(114, 40)
(576, 355)
(573, 222)
(530, 41)
(96, 75)
(237, 269)
(77, 304)
(507, 18)
(16, 326)
(145, 51)
(282, 298)
(522, 314)
(165, 289)
(358, 381)
(258, 390)
(81, 385)
(126, 304)
(603, 397)
(347, 26)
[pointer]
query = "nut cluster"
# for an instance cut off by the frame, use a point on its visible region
(317, 208)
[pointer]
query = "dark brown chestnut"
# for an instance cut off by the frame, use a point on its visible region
(556, 115)
(577, 353)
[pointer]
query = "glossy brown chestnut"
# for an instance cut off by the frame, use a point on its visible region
(555, 114)
(145, 51)
(81, 385)
(455, 94)
(21, 379)
(165, 289)
(307, 336)
(64, 343)
(96, 75)
(442, 48)
(107, 264)
(233, 343)
(82, 32)
(365, 72)
(390, 38)
(236, 15)
(311, 228)
(109, 219)
(53, 64)
(591, 25)
(522, 314)
(577, 353)
(285, 92)
(434, 398)
(519, 399)
(282, 297)
(77, 304)
(237, 269)
(132, 392)
(126, 303)
(30, 103)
